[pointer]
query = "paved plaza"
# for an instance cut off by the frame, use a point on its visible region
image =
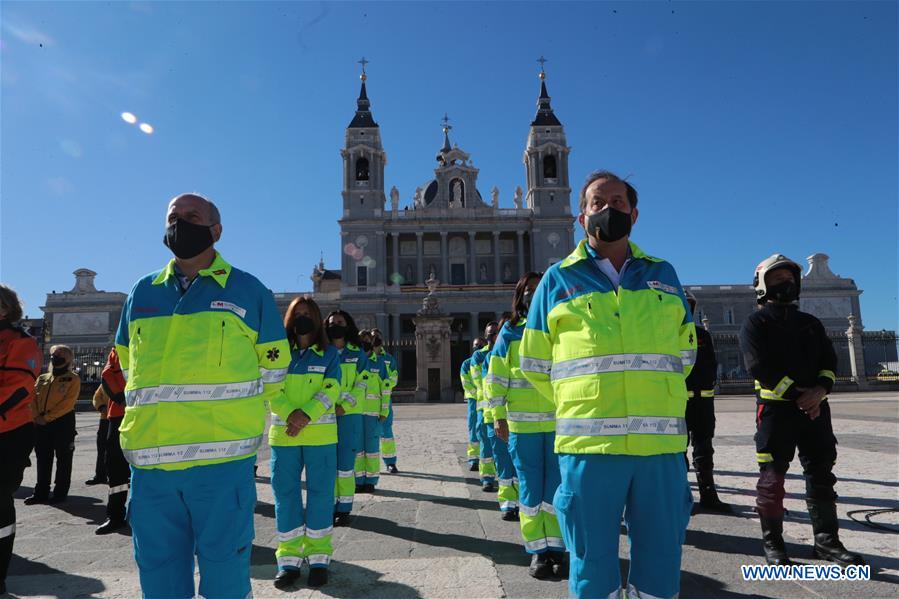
(431, 532)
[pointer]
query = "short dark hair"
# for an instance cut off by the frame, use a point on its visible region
(596, 176)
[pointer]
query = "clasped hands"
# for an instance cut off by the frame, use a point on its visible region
(810, 400)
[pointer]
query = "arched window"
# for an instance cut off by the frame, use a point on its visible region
(549, 167)
(362, 169)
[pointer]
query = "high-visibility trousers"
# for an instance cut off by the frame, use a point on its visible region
(486, 465)
(368, 460)
(537, 466)
(349, 443)
(507, 495)
(474, 446)
(388, 443)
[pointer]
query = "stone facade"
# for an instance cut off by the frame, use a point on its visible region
(83, 318)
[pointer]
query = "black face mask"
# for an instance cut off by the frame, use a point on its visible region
(366, 345)
(336, 331)
(58, 361)
(377, 342)
(303, 325)
(187, 240)
(785, 292)
(609, 224)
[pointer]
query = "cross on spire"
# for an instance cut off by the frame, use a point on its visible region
(363, 62)
(542, 62)
(445, 123)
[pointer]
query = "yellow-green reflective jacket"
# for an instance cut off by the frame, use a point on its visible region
(375, 377)
(313, 386)
(354, 378)
(468, 388)
(199, 365)
(614, 362)
(389, 378)
(510, 395)
(479, 363)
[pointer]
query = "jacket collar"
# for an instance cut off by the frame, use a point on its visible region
(219, 271)
(584, 252)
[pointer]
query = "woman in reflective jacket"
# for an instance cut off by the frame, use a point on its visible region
(303, 435)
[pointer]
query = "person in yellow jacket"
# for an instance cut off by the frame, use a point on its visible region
(303, 436)
(476, 368)
(526, 420)
(100, 401)
(610, 339)
(374, 408)
(53, 410)
(202, 348)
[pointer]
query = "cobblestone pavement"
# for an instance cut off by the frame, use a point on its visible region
(431, 532)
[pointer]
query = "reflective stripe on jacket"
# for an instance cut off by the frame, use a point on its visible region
(199, 366)
(353, 385)
(468, 388)
(614, 361)
(313, 386)
(510, 395)
(478, 369)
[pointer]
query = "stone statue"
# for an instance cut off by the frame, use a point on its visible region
(394, 198)
(483, 271)
(517, 198)
(432, 283)
(457, 194)
(507, 272)
(495, 193)
(418, 199)
(432, 273)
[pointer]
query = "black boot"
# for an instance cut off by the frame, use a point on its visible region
(772, 536)
(823, 515)
(392, 469)
(708, 495)
(318, 577)
(109, 526)
(342, 519)
(560, 563)
(285, 579)
(473, 467)
(511, 516)
(540, 568)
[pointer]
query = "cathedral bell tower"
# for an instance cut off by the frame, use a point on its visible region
(363, 162)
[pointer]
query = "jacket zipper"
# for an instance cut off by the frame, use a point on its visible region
(222, 346)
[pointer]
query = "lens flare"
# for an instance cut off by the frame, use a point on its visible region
(397, 278)
(129, 118)
(146, 128)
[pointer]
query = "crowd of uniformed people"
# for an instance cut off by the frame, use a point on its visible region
(581, 405)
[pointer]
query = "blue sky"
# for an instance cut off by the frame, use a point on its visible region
(748, 128)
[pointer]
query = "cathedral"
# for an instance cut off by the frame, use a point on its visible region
(475, 249)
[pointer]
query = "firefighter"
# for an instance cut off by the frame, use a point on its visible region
(793, 363)
(20, 365)
(117, 469)
(471, 396)
(609, 339)
(100, 401)
(700, 415)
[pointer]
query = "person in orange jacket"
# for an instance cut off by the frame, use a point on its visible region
(100, 402)
(53, 409)
(20, 365)
(117, 470)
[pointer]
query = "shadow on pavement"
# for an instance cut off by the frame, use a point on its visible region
(472, 480)
(500, 552)
(89, 508)
(344, 580)
(460, 502)
(29, 578)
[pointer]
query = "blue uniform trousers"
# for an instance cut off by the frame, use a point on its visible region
(505, 472)
(368, 461)
(204, 511)
(388, 443)
(473, 442)
(304, 532)
(537, 466)
(349, 443)
(653, 494)
(487, 468)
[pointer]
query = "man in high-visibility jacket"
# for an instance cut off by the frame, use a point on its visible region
(388, 442)
(609, 338)
(202, 347)
(471, 396)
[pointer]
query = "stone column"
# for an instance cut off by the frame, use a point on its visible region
(444, 259)
(396, 259)
(856, 352)
(395, 332)
(497, 276)
(472, 266)
(419, 274)
(520, 235)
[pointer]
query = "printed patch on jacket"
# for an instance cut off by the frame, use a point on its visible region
(220, 305)
(660, 286)
(316, 369)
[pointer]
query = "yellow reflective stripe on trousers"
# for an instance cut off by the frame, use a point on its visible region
(631, 425)
(172, 454)
(531, 416)
(536, 365)
(273, 375)
(529, 511)
(616, 363)
(764, 458)
(707, 393)
(175, 393)
(292, 534)
(312, 533)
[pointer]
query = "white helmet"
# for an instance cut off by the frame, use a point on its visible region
(767, 265)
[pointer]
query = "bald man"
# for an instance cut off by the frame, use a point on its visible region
(202, 348)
